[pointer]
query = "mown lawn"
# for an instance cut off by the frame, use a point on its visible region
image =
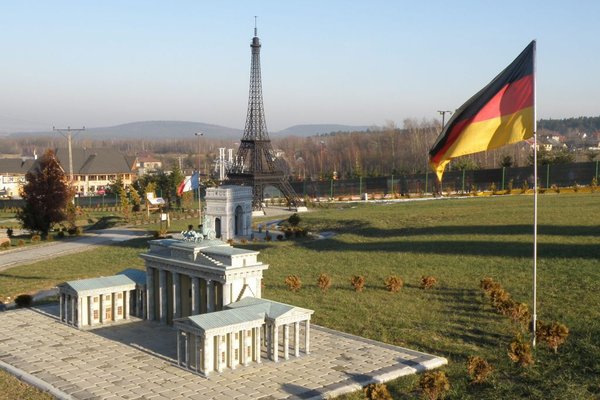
(458, 241)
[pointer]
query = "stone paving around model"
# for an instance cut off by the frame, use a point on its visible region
(138, 361)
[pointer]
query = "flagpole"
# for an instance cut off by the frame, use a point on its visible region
(535, 197)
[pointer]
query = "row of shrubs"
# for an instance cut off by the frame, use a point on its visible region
(553, 334)
(434, 384)
(36, 238)
(392, 283)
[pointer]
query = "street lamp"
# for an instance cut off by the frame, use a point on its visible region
(321, 158)
(443, 114)
(199, 135)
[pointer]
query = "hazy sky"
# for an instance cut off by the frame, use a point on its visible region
(101, 63)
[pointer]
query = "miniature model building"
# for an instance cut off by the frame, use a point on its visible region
(229, 210)
(137, 298)
(209, 291)
(99, 301)
(188, 278)
(232, 337)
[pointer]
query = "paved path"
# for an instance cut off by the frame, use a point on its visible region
(136, 361)
(26, 255)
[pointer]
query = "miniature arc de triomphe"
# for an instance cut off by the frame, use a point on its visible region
(208, 290)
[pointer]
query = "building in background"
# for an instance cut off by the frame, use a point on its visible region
(146, 163)
(12, 176)
(95, 169)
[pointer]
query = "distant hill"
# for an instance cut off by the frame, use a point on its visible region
(152, 130)
(186, 129)
(318, 129)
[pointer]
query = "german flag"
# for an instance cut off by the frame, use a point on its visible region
(499, 114)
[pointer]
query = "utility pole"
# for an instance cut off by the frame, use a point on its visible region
(68, 133)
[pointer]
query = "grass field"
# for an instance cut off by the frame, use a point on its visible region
(458, 241)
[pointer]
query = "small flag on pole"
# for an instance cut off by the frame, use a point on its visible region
(188, 184)
(499, 114)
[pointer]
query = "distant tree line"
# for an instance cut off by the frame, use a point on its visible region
(381, 151)
(566, 126)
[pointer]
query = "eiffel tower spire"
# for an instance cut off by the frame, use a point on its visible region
(256, 164)
(256, 125)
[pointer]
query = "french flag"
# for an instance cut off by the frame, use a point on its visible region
(189, 183)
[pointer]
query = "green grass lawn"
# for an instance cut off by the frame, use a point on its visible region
(459, 241)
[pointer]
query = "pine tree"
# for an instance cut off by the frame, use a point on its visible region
(46, 194)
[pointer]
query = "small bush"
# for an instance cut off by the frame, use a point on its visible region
(505, 306)
(294, 219)
(427, 282)
(478, 369)
(36, 238)
(498, 295)
(293, 283)
(230, 242)
(244, 241)
(377, 391)
(60, 234)
(393, 283)
(24, 300)
(324, 282)
(9, 232)
(358, 283)
(519, 313)
(520, 352)
(159, 234)
(434, 384)
(74, 231)
(486, 284)
(21, 243)
(5, 245)
(554, 334)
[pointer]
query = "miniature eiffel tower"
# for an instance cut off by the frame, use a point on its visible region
(255, 163)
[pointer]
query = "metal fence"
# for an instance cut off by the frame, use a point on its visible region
(83, 201)
(561, 175)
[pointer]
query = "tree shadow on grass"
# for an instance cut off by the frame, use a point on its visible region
(2, 275)
(462, 247)
(501, 230)
(109, 221)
